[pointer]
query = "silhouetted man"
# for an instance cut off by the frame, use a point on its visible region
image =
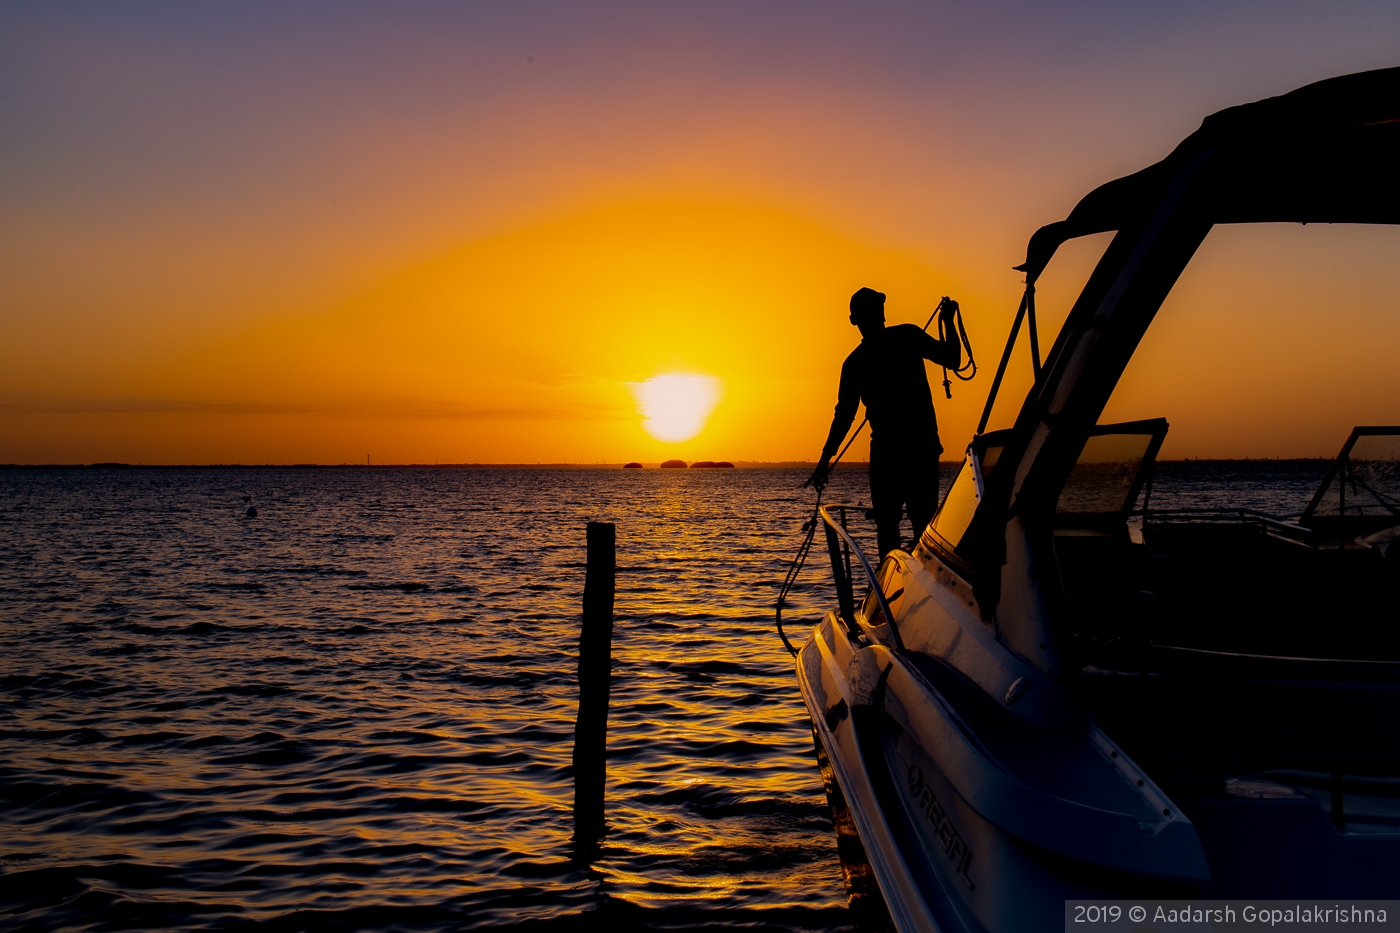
(886, 372)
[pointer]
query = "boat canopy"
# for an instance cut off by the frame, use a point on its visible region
(1325, 153)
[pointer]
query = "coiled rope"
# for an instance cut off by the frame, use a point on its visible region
(970, 367)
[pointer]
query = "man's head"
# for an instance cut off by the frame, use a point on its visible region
(868, 309)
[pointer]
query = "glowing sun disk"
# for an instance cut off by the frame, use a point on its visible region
(676, 405)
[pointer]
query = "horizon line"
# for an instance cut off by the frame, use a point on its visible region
(560, 465)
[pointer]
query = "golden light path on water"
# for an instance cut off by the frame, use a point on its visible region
(361, 703)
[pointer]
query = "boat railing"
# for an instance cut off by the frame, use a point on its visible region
(840, 546)
(1277, 525)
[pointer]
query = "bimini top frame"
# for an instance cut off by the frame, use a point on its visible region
(1326, 153)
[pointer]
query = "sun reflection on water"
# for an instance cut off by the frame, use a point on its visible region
(364, 699)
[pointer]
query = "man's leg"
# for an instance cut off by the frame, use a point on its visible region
(922, 492)
(886, 501)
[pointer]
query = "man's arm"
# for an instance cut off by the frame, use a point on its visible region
(847, 402)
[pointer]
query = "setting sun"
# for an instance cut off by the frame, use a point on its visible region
(676, 405)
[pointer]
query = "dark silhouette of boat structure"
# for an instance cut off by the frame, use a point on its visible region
(1040, 702)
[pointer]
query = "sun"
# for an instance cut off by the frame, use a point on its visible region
(676, 405)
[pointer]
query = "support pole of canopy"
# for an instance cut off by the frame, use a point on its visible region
(1032, 330)
(1026, 300)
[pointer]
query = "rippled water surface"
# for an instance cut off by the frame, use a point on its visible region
(355, 711)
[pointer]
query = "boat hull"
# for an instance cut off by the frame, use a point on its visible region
(945, 828)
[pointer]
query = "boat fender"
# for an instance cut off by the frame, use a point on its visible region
(1017, 689)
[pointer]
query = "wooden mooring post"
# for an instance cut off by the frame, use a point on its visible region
(594, 681)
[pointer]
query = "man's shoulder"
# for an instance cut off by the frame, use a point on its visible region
(905, 331)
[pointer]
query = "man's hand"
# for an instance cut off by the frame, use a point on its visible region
(819, 476)
(948, 312)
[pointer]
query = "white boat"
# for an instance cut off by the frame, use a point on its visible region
(1038, 703)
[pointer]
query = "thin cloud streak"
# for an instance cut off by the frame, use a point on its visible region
(415, 410)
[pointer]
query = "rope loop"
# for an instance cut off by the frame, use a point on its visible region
(960, 333)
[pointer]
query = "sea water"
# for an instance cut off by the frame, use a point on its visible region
(355, 710)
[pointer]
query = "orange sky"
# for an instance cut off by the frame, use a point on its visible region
(468, 234)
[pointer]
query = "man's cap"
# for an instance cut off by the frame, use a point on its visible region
(867, 301)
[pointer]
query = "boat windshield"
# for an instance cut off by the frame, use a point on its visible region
(1364, 481)
(1109, 471)
(960, 502)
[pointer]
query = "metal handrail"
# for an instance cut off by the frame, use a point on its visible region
(835, 535)
(1273, 522)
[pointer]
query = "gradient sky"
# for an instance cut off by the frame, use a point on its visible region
(466, 232)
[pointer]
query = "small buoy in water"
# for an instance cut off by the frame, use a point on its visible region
(252, 511)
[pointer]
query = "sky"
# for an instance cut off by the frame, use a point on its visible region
(416, 232)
